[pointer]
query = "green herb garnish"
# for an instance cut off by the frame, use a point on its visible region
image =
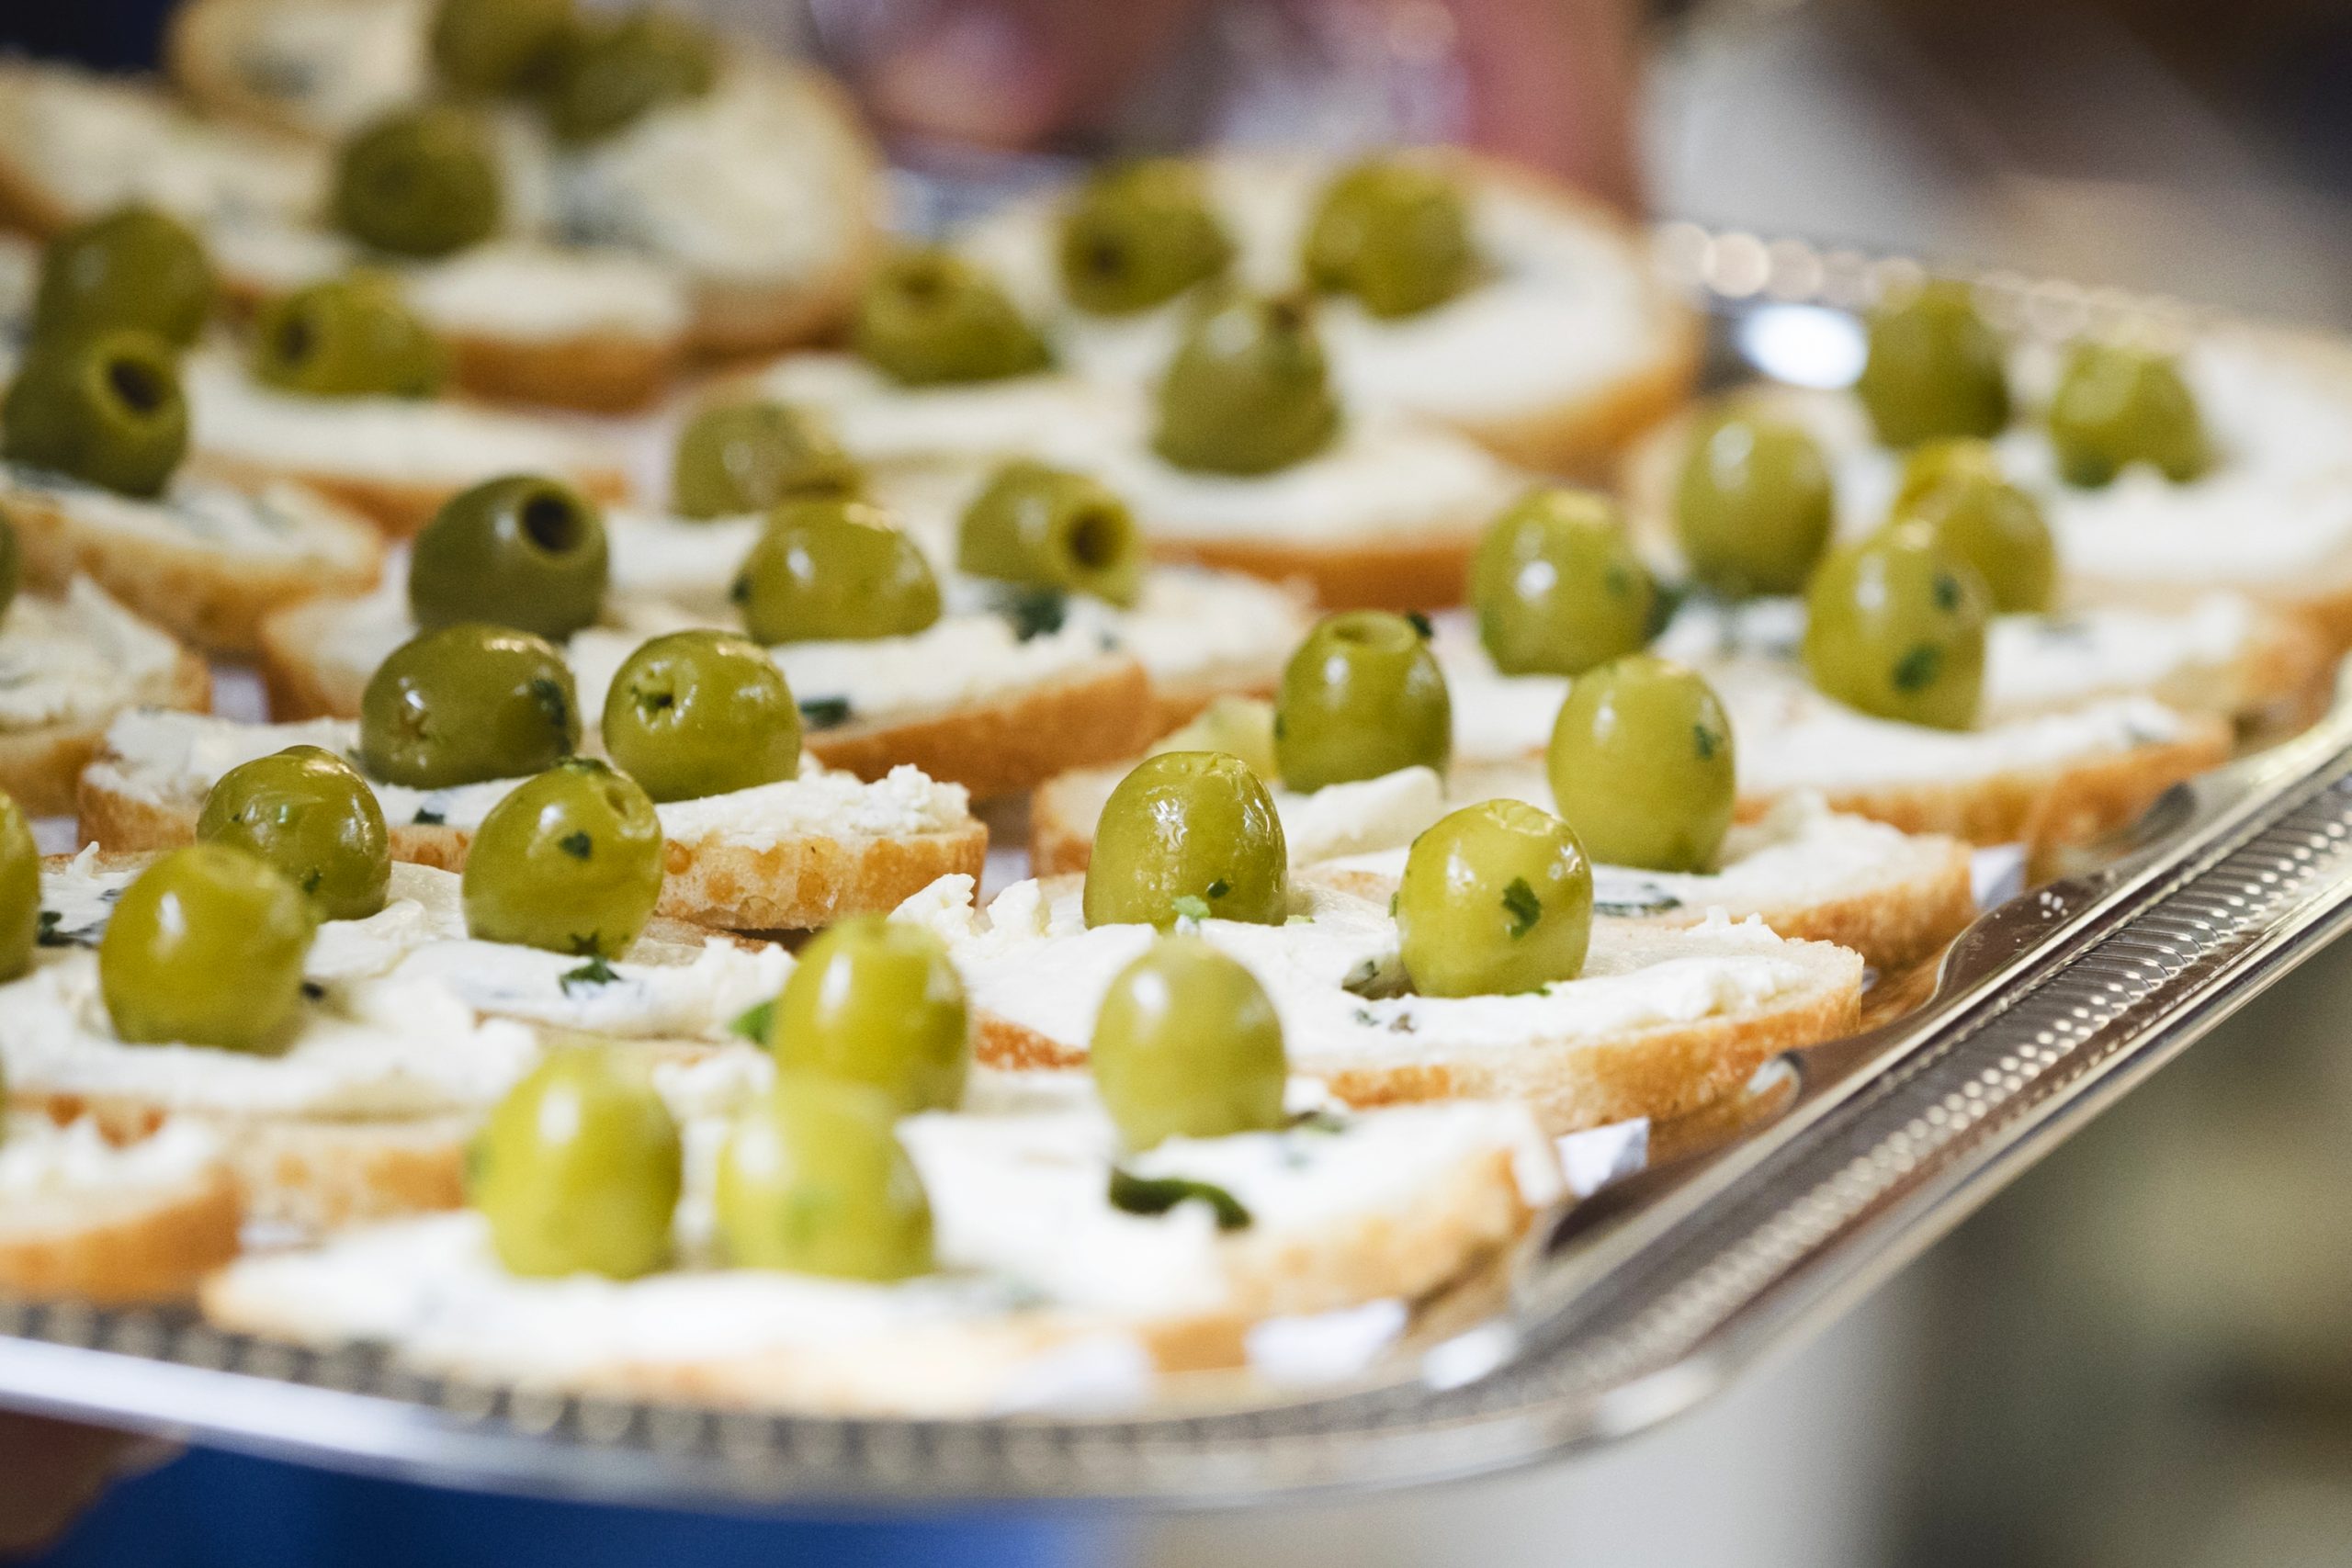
(752, 1023)
(1189, 907)
(1918, 667)
(579, 846)
(595, 971)
(1523, 906)
(1136, 1194)
(823, 712)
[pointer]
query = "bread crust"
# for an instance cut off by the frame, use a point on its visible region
(127, 1249)
(41, 769)
(399, 509)
(1429, 569)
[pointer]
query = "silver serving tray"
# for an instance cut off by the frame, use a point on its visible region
(1627, 1309)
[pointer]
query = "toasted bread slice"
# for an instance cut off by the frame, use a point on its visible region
(112, 1224)
(786, 856)
(68, 665)
(319, 69)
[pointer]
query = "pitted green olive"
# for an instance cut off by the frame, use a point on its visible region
(136, 268)
(1934, 368)
(1186, 1044)
(351, 336)
(825, 570)
(877, 1001)
(2116, 405)
(569, 861)
(738, 458)
(420, 182)
(701, 713)
(308, 812)
(1895, 626)
(20, 889)
(206, 947)
(1248, 390)
(522, 551)
(813, 1179)
(11, 564)
(1641, 764)
(578, 1169)
(1394, 232)
(1558, 586)
(1188, 832)
(1362, 697)
(1051, 528)
(608, 73)
(498, 46)
(1954, 490)
(1139, 235)
(1496, 898)
(1753, 504)
(104, 409)
(467, 703)
(929, 317)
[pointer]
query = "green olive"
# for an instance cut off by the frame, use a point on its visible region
(498, 46)
(930, 316)
(1933, 369)
(20, 889)
(11, 563)
(1895, 627)
(1394, 232)
(206, 947)
(1954, 489)
(1496, 898)
(828, 569)
(701, 713)
(610, 72)
(420, 182)
(1753, 504)
(465, 704)
(812, 1178)
(1187, 1045)
(523, 551)
(1051, 528)
(135, 267)
(738, 458)
(351, 336)
(578, 1169)
(570, 862)
(1640, 765)
(104, 408)
(308, 812)
(1248, 390)
(1139, 235)
(1188, 832)
(1239, 727)
(878, 1002)
(2117, 405)
(1362, 697)
(1559, 587)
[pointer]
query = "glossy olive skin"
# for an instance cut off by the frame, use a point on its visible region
(1139, 235)
(610, 72)
(930, 318)
(104, 408)
(578, 1169)
(497, 46)
(1558, 586)
(1186, 826)
(1934, 369)
(135, 267)
(308, 812)
(1051, 528)
(1496, 898)
(1954, 490)
(570, 862)
(1361, 697)
(828, 569)
(1239, 727)
(351, 336)
(1895, 626)
(701, 713)
(1187, 1045)
(1395, 233)
(522, 551)
(1753, 504)
(420, 182)
(2116, 405)
(11, 564)
(813, 1179)
(1248, 390)
(20, 889)
(877, 1002)
(1640, 765)
(468, 703)
(205, 948)
(738, 458)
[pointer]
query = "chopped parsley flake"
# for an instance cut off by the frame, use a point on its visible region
(1919, 668)
(1136, 1194)
(823, 712)
(1189, 906)
(427, 818)
(579, 846)
(595, 971)
(1523, 906)
(1219, 888)
(1704, 741)
(553, 700)
(1947, 591)
(49, 935)
(1421, 624)
(1034, 612)
(752, 1023)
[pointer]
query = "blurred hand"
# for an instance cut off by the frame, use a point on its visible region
(50, 1470)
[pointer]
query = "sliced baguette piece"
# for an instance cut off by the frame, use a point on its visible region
(318, 69)
(113, 1225)
(786, 856)
(1663, 1020)
(68, 666)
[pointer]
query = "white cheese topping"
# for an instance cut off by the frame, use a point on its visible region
(77, 659)
(278, 523)
(882, 422)
(41, 1162)
(331, 68)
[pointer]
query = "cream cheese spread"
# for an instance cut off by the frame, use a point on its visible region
(77, 659)
(331, 68)
(41, 1162)
(277, 522)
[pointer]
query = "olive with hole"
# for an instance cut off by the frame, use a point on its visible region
(1139, 235)
(1187, 1044)
(608, 73)
(351, 336)
(1955, 490)
(420, 182)
(812, 1179)
(498, 46)
(135, 267)
(522, 551)
(828, 569)
(465, 704)
(1361, 697)
(2117, 404)
(738, 458)
(1558, 586)
(1048, 528)
(1640, 765)
(104, 408)
(12, 566)
(308, 812)
(1248, 390)
(206, 947)
(1933, 368)
(1495, 899)
(579, 1168)
(1752, 503)
(1239, 727)
(1188, 833)
(701, 713)
(929, 317)
(877, 1001)
(570, 862)
(20, 889)
(1895, 627)
(1394, 232)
